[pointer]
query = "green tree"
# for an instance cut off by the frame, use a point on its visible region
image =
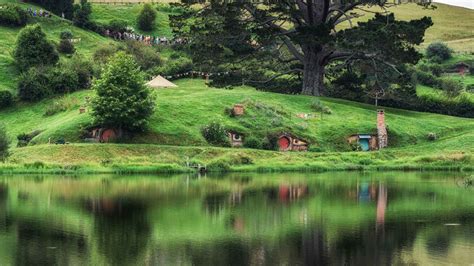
(4, 143)
(146, 18)
(311, 32)
(123, 101)
(82, 13)
(33, 49)
(438, 51)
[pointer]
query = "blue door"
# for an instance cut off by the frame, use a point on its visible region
(364, 144)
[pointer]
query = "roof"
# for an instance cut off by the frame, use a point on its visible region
(160, 82)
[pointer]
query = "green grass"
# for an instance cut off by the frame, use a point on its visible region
(182, 112)
(89, 41)
(106, 13)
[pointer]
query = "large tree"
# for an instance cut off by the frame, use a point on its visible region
(123, 100)
(314, 34)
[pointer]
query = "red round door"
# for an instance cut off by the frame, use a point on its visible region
(284, 143)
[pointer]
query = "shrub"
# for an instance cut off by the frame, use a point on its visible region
(4, 143)
(12, 15)
(270, 142)
(145, 56)
(470, 88)
(65, 46)
(438, 49)
(24, 138)
(318, 106)
(33, 49)
(84, 70)
(146, 18)
(6, 99)
(215, 134)
(117, 25)
(432, 136)
(327, 110)
(176, 66)
(66, 35)
(102, 54)
(427, 79)
(452, 87)
(63, 80)
(33, 85)
(252, 143)
(82, 12)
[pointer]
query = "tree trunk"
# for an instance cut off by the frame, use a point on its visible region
(313, 75)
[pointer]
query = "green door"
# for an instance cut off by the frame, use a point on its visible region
(364, 144)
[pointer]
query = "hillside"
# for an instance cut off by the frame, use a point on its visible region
(183, 111)
(53, 26)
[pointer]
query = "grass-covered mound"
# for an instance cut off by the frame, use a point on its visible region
(182, 112)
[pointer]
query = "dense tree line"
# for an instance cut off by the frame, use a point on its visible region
(58, 7)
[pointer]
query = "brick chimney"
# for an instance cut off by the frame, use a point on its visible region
(381, 129)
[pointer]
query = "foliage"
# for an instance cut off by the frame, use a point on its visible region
(438, 51)
(145, 56)
(426, 78)
(4, 143)
(83, 68)
(177, 65)
(222, 32)
(57, 6)
(66, 34)
(62, 80)
(65, 46)
(33, 85)
(82, 13)
(146, 18)
(452, 87)
(12, 15)
(33, 49)
(215, 134)
(252, 143)
(6, 99)
(123, 101)
(470, 88)
(25, 138)
(117, 25)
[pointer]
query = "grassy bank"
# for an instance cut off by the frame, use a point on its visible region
(129, 158)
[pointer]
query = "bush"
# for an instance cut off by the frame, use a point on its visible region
(6, 99)
(470, 88)
(270, 142)
(117, 25)
(24, 139)
(63, 80)
(33, 49)
(65, 46)
(145, 56)
(176, 66)
(66, 35)
(33, 85)
(146, 18)
(427, 79)
(82, 12)
(318, 106)
(215, 134)
(12, 15)
(102, 54)
(4, 143)
(252, 143)
(440, 50)
(84, 70)
(452, 87)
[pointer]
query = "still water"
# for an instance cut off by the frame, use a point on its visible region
(242, 219)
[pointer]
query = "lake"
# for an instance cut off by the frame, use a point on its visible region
(337, 218)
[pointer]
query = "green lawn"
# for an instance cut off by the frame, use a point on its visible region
(182, 112)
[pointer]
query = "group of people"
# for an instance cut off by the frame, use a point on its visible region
(39, 13)
(147, 39)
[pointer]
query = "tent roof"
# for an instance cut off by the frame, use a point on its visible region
(161, 82)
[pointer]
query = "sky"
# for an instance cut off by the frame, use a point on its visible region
(462, 3)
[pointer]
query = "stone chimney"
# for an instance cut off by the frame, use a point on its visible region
(381, 129)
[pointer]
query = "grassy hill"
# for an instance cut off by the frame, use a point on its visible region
(182, 112)
(89, 41)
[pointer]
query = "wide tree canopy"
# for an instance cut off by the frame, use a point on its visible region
(306, 35)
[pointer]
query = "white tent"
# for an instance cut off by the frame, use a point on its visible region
(160, 82)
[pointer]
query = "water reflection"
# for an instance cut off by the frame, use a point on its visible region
(296, 219)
